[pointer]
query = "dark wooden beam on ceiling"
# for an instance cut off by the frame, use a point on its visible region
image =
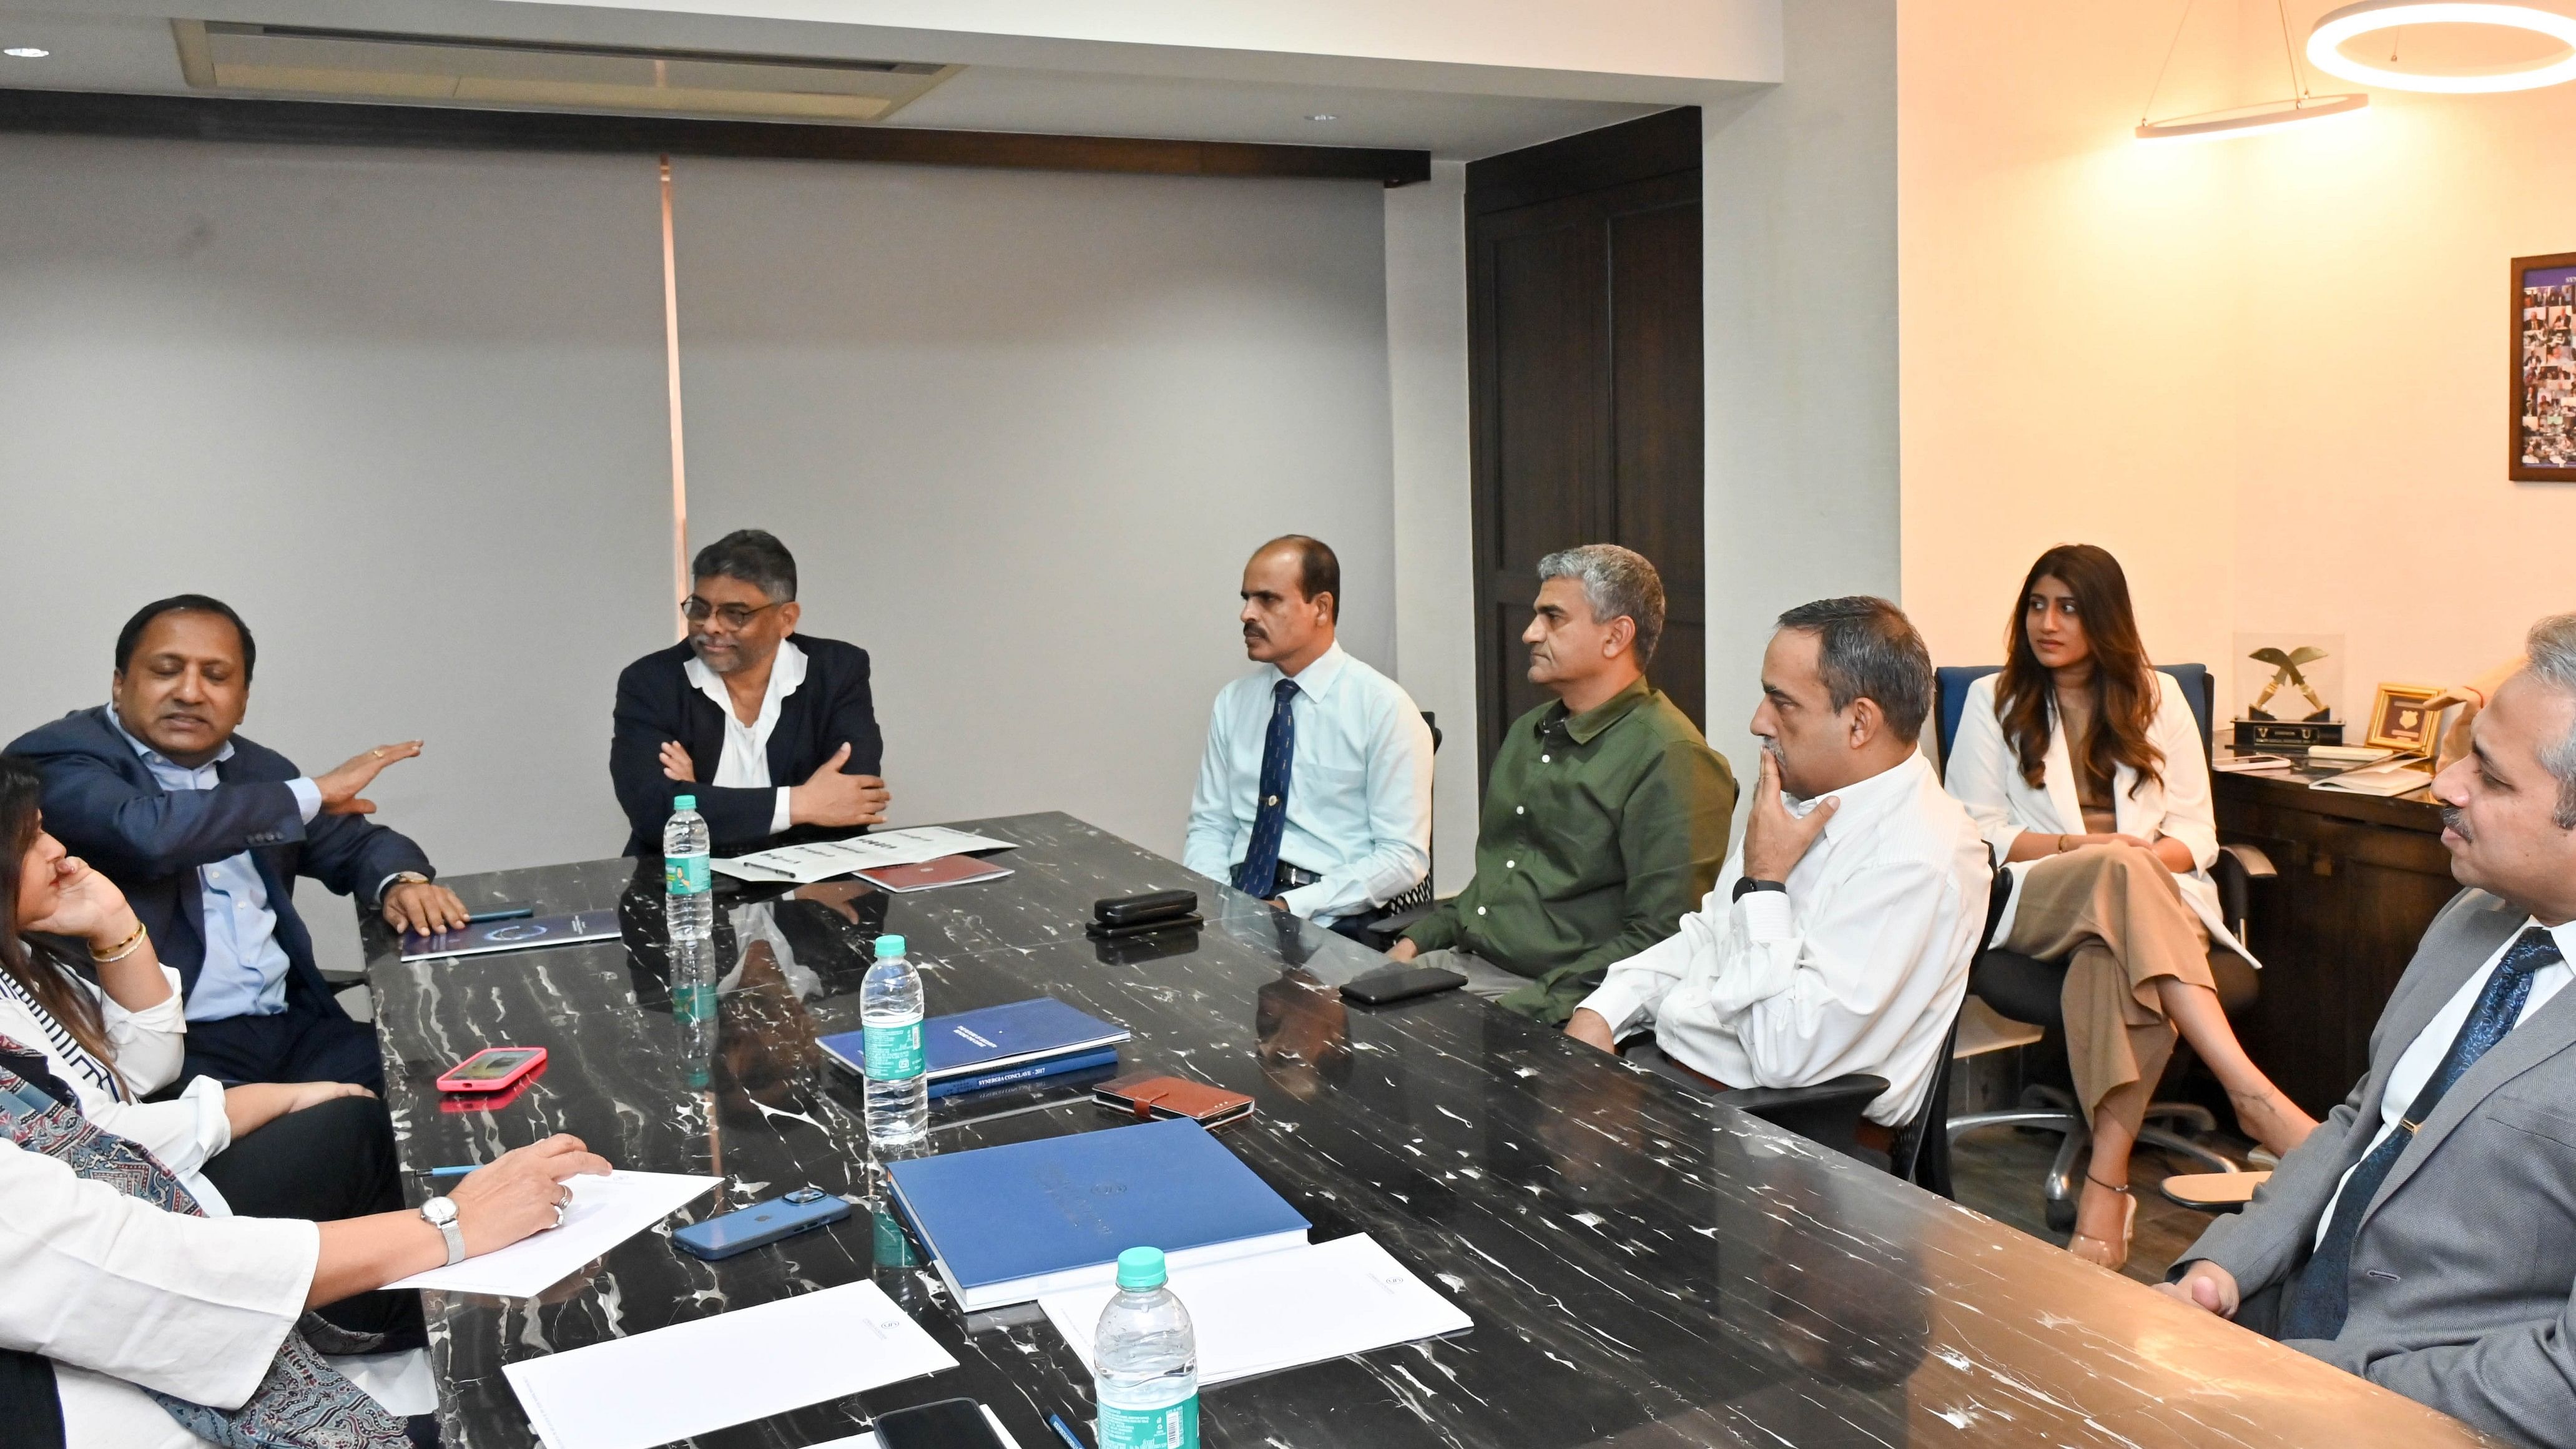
(338, 123)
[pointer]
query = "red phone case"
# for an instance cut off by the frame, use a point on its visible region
(451, 1082)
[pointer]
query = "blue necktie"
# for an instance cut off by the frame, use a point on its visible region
(1260, 868)
(2318, 1299)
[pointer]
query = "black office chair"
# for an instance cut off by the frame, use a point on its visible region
(1399, 914)
(2027, 990)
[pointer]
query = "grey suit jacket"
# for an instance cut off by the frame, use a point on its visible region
(2464, 1271)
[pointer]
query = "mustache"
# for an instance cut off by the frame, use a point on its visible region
(2455, 819)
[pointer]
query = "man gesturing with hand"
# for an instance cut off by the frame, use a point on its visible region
(206, 831)
(1837, 939)
(772, 732)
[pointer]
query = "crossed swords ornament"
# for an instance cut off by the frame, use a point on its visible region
(2285, 674)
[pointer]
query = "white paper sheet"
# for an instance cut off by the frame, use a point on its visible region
(711, 1373)
(823, 859)
(869, 1441)
(605, 1212)
(1277, 1310)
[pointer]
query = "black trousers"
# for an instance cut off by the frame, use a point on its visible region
(308, 1042)
(327, 1162)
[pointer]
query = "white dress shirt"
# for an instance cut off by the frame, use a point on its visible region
(1985, 773)
(2415, 1066)
(745, 761)
(1359, 786)
(119, 1293)
(1859, 966)
(148, 1047)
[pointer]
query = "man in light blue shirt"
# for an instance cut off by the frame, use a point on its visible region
(1315, 790)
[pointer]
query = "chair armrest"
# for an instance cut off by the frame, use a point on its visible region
(2248, 858)
(1826, 1113)
(1396, 923)
(2238, 866)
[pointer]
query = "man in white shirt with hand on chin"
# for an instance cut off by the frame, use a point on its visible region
(1315, 790)
(1838, 937)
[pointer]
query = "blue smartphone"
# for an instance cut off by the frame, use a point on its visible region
(761, 1224)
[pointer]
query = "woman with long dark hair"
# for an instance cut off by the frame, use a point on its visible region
(118, 1040)
(2084, 768)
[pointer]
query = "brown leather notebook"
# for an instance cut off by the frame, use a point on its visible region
(1148, 1094)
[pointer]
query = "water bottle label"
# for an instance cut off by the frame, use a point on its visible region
(693, 1001)
(1173, 1426)
(684, 875)
(893, 1052)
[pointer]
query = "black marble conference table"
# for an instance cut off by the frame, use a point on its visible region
(1644, 1268)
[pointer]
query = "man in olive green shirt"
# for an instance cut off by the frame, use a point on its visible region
(1606, 817)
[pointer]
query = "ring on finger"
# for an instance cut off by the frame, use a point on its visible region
(559, 1214)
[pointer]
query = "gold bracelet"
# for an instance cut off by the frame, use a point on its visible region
(123, 949)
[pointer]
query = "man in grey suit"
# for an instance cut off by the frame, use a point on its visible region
(2424, 1236)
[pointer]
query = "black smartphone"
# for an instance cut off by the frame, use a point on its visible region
(506, 911)
(1400, 983)
(946, 1424)
(1153, 906)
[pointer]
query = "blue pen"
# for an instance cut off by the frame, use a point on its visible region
(453, 1171)
(1062, 1432)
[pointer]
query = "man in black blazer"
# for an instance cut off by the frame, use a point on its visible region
(206, 831)
(773, 732)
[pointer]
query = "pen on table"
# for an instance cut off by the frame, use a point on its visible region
(452, 1171)
(1066, 1434)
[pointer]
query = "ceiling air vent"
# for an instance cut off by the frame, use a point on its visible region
(354, 65)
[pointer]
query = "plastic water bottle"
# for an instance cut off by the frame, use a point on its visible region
(687, 904)
(1146, 1358)
(890, 1027)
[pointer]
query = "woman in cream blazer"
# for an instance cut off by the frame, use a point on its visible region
(2084, 769)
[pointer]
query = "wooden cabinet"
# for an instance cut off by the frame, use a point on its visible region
(2360, 880)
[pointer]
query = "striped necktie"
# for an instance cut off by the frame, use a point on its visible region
(1260, 868)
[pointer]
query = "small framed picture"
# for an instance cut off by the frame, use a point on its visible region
(2541, 421)
(2399, 720)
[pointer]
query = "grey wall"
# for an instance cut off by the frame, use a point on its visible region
(403, 410)
(1800, 256)
(1021, 430)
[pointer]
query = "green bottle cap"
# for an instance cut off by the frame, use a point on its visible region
(889, 946)
(685, 802)
(1140, 1269)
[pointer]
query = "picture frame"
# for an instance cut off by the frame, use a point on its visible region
(2399, 720)
(2540, 400)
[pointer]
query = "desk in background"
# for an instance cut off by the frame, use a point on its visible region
(2360, 879)
(1645, 1268)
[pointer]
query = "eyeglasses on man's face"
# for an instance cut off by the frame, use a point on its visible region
(732, 616)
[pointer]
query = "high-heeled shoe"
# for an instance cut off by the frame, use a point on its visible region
(2102, 1252)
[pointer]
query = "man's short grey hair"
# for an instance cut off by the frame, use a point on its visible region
(753, 555)
(1867, 649)
(1617, 583)
(2551, 648)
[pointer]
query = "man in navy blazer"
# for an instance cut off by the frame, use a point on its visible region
(206, 831)
(773, 732)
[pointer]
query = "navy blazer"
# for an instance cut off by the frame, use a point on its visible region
(656, 702)
(102, 803)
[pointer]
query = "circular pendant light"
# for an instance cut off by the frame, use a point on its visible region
(2250, 120)
(2336, 29)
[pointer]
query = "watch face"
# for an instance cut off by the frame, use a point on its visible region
(439, 1211)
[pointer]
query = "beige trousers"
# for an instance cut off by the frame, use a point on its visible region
(2116, 916)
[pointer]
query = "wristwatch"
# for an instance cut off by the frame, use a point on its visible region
(441, 1214)
(405, 877)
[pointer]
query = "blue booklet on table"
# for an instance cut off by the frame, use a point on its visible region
(520, 934)
(1007, 1224)
(970, 1050)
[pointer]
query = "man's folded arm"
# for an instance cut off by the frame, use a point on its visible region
(851, 719)
(137, 833)
(733, 813)
(1635, 985)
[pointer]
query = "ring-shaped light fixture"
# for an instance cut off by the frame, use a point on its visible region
(2251, 120)
(2326, 40)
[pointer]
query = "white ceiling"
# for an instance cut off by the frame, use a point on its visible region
(125, 45)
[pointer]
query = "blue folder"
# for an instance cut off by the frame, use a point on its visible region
(1007, 1224)
(1024, 1072)
(986, 1041)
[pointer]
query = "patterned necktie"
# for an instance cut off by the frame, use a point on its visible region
(1260, 868)
(2317, 1300)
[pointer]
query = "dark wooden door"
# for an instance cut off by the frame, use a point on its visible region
(1584, 352)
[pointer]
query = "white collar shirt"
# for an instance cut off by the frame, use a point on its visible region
(745, 761)
(1359, 785)
(2416, 1065)
(1859, 966)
